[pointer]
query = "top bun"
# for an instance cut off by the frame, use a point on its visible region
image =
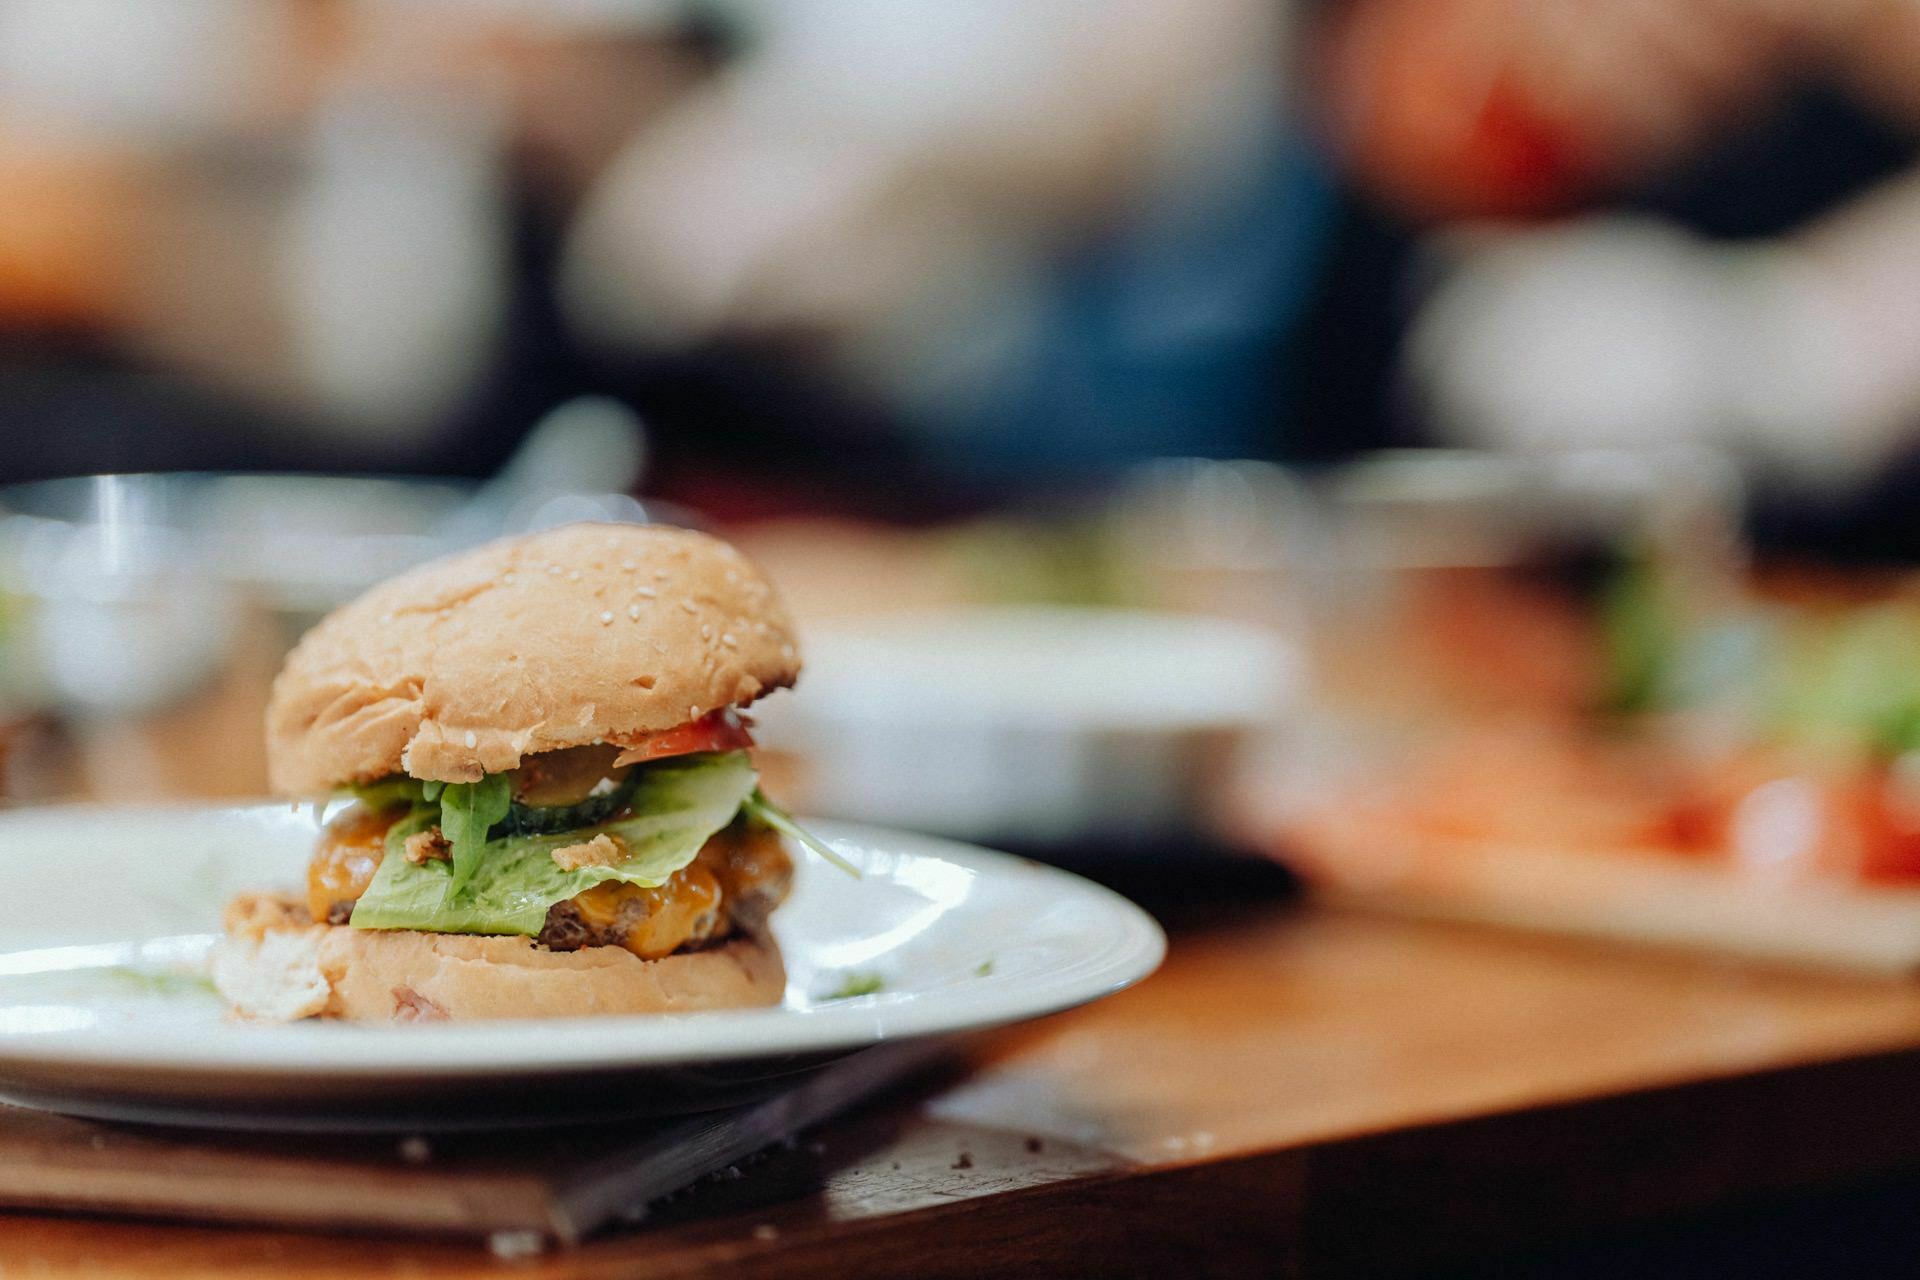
(564, 638)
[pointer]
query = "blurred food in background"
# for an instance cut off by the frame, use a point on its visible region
(1653, 746)
(1326, 353)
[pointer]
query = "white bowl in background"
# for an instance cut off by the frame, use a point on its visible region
(1030, 725)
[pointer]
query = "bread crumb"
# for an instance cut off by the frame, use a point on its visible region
(604, 850)
(428, 846)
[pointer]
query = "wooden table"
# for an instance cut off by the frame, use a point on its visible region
(1294, 1092)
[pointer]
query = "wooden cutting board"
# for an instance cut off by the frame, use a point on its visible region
(1642, 896)
(519, 1190)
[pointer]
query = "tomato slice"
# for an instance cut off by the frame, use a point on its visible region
(723, 730)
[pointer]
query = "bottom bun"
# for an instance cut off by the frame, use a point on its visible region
(274, 965)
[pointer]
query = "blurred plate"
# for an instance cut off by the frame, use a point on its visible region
(108, 913)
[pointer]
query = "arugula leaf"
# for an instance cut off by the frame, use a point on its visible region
(468, 811)
(780, 820)
(677, 805)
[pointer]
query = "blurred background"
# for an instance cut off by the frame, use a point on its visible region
(1231, 396)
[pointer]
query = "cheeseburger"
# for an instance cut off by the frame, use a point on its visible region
(553, 807)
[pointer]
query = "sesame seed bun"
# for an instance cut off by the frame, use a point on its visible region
(274, 965)
(558, 639)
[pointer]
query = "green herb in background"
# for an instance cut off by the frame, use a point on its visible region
(1841, 682)
(1069, 562)
(1642, 634)
(1849, 682)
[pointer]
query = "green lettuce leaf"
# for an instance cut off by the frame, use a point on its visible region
(678, 804)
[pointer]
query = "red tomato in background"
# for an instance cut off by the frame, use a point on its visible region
(1769, 812)
(1890, 822)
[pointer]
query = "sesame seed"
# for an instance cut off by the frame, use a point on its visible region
(732, 577)
(627, 565)
(694, 712)
(554, 569)
(690, 606)
(633, 611)
(473, 740)
(605, 617)
(646, 593)
(706, 631)
(573, 575)
(659, 646)
(507, 577)
(727, 639)
(660, 575)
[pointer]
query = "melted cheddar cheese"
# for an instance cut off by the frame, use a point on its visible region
(343, 864)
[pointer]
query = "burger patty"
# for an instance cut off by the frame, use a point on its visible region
(739, 876)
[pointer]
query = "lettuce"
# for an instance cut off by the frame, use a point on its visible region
(678, 804)
(468, 811)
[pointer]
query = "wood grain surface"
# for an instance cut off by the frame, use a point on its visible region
(1295, 1092)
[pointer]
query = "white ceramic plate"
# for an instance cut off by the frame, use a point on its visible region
(106, 916)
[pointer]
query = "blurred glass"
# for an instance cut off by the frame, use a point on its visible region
(1457, 577)
(146, 615)
(1235, 539)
